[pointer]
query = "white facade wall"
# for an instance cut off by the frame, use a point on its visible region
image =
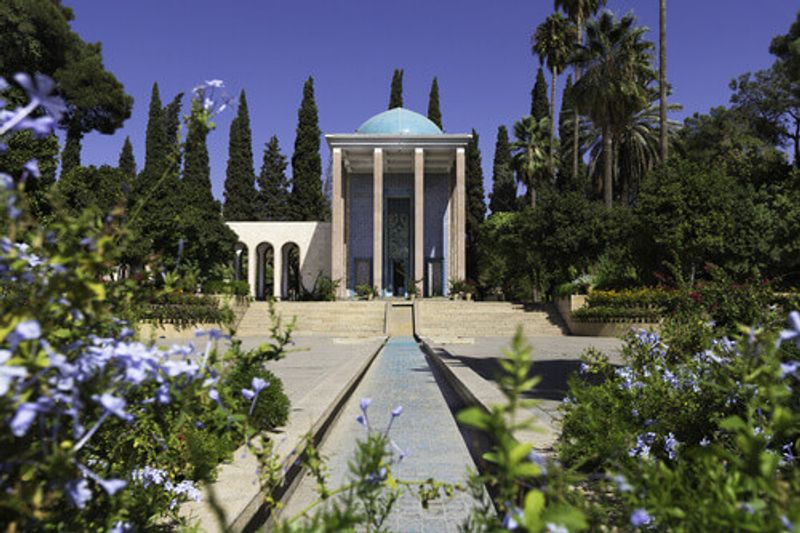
(312, 238)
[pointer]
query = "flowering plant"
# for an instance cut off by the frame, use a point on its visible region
(98, 431)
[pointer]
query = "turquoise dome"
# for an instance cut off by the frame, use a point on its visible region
(399, 121)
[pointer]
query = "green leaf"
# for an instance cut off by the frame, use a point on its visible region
(534, 504)
(473, 417)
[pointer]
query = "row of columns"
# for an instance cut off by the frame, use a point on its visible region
(457, 222)
(254, 259)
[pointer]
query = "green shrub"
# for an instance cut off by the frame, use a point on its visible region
(271, 408)
(233, 288)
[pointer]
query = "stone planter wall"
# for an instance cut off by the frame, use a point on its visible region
(566, 305)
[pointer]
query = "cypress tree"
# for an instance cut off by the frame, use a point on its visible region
(155, 137)
(566, 125)
(540, 105)
(172, 123)
(504, 188)
(273, 194)
(240, 191)
(476, 206)
(154, 203)
(396, 94)
(71, 156)
(207, 240)
(307, 201)
(434, 112)
(127, 163)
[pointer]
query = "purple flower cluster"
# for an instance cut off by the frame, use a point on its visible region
(181, 491)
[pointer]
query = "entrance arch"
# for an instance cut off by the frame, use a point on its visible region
(240, 259)
(292, 281)
(265, 271)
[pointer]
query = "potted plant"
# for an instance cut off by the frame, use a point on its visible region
(364, 292)
(412, 291)
(469, 290)
(457, 289)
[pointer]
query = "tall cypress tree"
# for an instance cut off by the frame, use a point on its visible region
(540, 105)
(273, 194)
(240, 191)
(504, 189)
(307, 201)
(566, 125)
(172, 123)
(155, 137)
(434, 112)
(71, 156)
(127, 163)
(476, 206)
(396, 94)
(154, 203)
(207, 239)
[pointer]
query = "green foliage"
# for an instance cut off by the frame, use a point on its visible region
(700, 426)
(434, 112)
(240, 191)
(98, 189)
(127, 163)
(540, 105)
(307, 201)
(504, 189)
(185, 310)
(532, 156)
(35, 36)
(364, 292)
(476, 205)
(71, 156)
(22, 147)
(324, 289)
(271, 407)
(233, 288)
(396, 91)
(512, 471)
(273, 185)
(208, 240)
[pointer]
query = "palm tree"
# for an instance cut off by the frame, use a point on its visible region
(578, 12)
(554, 42)
(662, 76)
(637, 148)
(531, 157)
(617, 69)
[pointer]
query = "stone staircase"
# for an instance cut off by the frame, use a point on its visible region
(342, 319)
(451, 319)
(442, 319)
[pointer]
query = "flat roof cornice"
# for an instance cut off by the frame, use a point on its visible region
(345, 140)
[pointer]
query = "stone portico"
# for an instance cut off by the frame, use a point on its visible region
(398, 206)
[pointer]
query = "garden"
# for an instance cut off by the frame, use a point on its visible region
(698, 430)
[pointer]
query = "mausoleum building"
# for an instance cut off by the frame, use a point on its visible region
(398, 214)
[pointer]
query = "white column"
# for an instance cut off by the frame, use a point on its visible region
(277, 272)
(377, 219)
(252, 263)
(338, 271)
(419, 218)
(461, 214)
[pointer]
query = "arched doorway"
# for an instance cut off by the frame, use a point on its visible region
(265, 285)
(240, 262)
(292, 283)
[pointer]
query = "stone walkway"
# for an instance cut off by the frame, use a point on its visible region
(426, 431)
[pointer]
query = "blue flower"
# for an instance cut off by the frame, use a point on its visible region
(28, 330)
(6, 181)
(397, 411)
(512, 519)
(78, 492)
(793, 333)
(23, 418)
(550, 527)
(8, 373)
(641, 517)
(121, 527)
(248, 394)
(364, 403)
(789, 368)
(787, 523)
(622, 483)
(705, 442)
(540, 461)
(32, 167)
(259, 384)
(39, 92)
(112, 486)
(361, 419)
(113, 405)
(671, 445)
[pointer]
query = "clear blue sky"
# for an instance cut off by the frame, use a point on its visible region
(479, 49)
